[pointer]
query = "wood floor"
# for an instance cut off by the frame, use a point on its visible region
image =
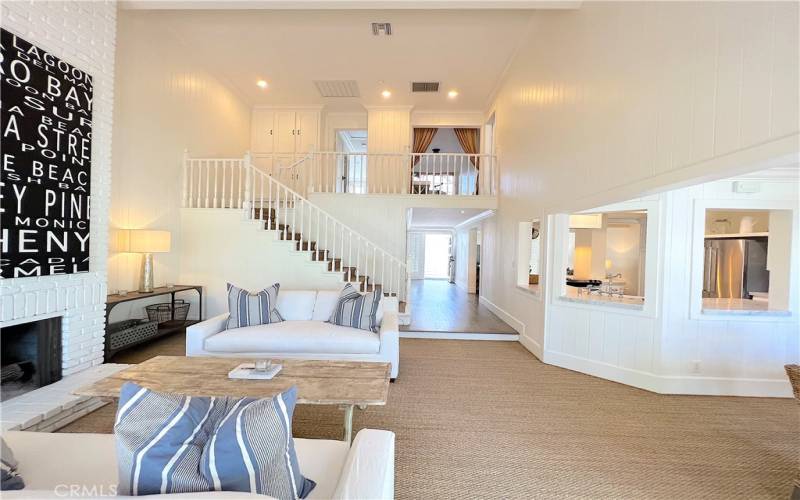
(488, 420)
(440, 306)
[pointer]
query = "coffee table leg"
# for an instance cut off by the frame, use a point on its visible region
(348, 423)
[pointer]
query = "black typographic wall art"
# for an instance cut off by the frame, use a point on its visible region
(46, 126)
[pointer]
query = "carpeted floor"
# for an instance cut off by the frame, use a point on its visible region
(479, 419)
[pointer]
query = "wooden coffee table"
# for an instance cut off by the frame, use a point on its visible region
(343, 383)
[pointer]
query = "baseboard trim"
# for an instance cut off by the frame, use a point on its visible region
(507, 337)
(513, 322)
(667, 384)
(532, 346)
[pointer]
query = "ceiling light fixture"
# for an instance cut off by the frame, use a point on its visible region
(262, 84)
(386, 94)
(452, 94)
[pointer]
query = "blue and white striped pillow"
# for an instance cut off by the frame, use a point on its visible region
(169, 443)
(356, 310)
(250, 309)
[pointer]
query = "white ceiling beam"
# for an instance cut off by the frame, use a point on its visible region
(346, 4)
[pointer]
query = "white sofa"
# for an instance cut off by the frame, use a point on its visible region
(85, 466)
(304, 333)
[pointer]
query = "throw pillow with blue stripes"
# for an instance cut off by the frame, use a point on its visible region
(169, 443)
(250, 309)
(356, 310)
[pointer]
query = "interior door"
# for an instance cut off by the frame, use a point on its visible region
(284, 132)
(261, 131)
(307, 126)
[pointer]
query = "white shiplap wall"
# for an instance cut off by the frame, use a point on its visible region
(83, 34)
(668, 349)
(617, 100)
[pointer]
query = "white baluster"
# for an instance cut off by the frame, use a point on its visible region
(224, 183)
(191, 184)
(277, 203)
(349, 250)
(208, 184)
(294, 217)
(359, 268)
(374, 264)
(270, 215)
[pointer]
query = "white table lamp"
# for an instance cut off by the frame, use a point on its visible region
(148, 242)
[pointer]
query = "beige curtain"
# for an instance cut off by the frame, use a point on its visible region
(468, 138)
(422, 140)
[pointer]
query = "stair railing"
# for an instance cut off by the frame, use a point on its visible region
(362, 262)
(235, 183)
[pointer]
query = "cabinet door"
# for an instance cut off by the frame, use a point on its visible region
(261, 131)
(285, 132)
(307, 123)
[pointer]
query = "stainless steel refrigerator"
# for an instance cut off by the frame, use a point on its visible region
(735, 268)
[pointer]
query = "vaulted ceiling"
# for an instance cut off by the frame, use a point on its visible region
(465, 50)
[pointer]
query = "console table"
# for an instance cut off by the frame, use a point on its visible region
(164, 328)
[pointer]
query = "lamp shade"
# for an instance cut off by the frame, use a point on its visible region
(148, 241)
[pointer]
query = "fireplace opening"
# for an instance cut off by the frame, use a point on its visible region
(30, 355)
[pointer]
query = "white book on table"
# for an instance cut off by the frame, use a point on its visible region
(248, 371)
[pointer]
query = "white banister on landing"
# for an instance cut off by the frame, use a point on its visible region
(452, 174)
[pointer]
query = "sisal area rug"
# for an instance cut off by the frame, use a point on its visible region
(479, 419)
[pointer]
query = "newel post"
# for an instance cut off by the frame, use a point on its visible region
(248, 183)
(408, 163)
(185, 200)
(312, 168)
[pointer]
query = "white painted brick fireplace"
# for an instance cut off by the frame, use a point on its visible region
(83, 34)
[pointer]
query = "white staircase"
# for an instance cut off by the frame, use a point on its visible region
(233, 183)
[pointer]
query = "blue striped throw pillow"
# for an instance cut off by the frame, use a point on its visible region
(356, 310)
(169, 443)
(250, 309)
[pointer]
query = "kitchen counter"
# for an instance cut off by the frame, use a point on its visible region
(625, 302)
(744, 307)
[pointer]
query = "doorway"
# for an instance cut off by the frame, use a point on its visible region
(438, 256)
(444, 265)
(351, 165)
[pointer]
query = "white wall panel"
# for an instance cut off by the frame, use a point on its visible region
(165, 102)
(614, 100)
(84, 35)
(248, 256)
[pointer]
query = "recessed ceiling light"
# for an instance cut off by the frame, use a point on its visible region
(262, 84)
(452, 94)
(386, 94)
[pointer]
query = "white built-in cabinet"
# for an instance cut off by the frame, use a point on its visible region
(279, 137)
(284, 131)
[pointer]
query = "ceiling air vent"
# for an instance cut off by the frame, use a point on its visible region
(424, 86)
(381, 28)
(337, 88)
